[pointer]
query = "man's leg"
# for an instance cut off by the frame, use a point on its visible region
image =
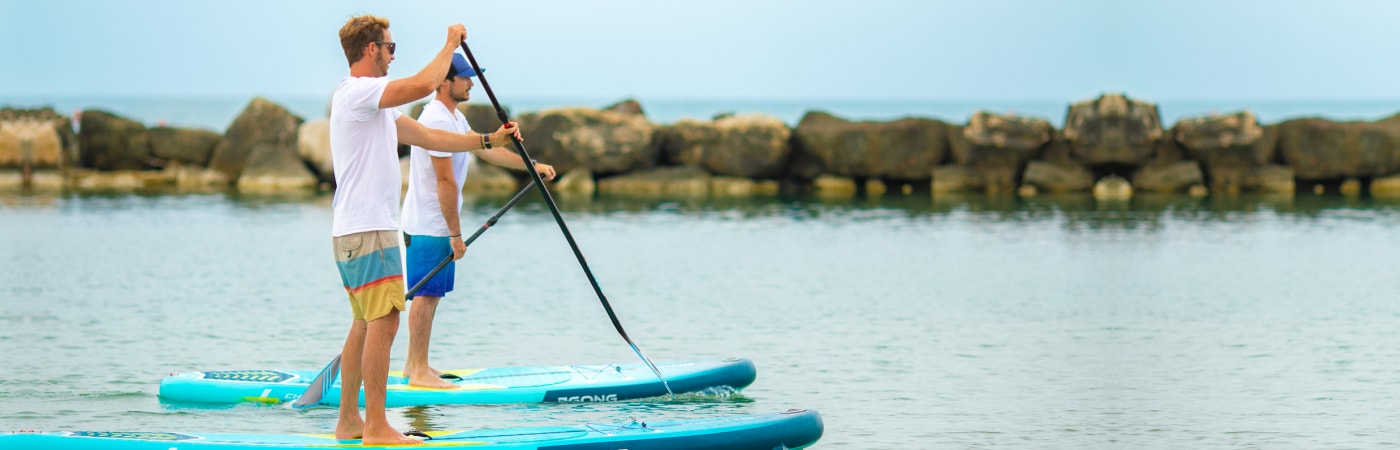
(369, 267)
(350, 426)
(378, 339)
(420, 330)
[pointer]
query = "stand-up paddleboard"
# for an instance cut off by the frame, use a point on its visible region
(561, 384)
(786, 430)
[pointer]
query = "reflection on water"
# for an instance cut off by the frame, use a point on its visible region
(1142, 212)
(952, 321)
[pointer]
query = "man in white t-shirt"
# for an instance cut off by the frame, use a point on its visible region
(431, 226)
(365, 132)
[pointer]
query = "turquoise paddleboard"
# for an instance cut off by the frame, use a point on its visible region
(561, 384)
(786, 430)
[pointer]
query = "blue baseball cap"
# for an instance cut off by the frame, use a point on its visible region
(460, 67)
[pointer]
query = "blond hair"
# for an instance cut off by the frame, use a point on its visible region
(359, 32)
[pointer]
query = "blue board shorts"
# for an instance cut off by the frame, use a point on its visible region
(423, 254)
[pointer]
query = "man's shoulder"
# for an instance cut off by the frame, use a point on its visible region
(359, 83)
(437, 115)
(358, 97)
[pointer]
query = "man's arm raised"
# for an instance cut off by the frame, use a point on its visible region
(405, 90)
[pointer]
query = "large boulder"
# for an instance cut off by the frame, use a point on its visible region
(314, 147)
(833, 186)
(802, 165)
(28, 143)
(483, 118)
(959, 147)
(1386, 187)
(1268, 143)
(906, 149)
(1056, 178)
(1227, 147)
(604, 141)
(1168, 151)
(259, 150)
(107, 141)
(62, 126)
(183, 145)
(659, 182)
(629, 107)
(1319, 149)
(1218, 132)
(1169, 178)
(1057, 151)
(1113, 129)
(953, 178)
(576, 182)
(1113, 187)
(11, 144)
(482, 177)
(753, 146)
(1272, 178)
(1001, 145)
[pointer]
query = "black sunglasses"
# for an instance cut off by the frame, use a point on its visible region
(388, 44)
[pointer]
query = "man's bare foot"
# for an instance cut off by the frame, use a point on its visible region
(387, 436)
(349, 427)
(429, 379)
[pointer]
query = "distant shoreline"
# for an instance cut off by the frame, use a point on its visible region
(215, 113)
(1111, 146)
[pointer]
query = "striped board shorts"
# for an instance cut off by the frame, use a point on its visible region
(372, 270)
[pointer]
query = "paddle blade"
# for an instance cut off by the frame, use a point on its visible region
(320, 386)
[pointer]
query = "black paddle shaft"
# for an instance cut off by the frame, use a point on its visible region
(548, 199)
(477, 234)
(554, 209)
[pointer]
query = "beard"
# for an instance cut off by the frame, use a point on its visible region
(461, 98)
(383, 61)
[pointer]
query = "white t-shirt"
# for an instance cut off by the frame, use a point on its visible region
(364, 154)
(422, 214)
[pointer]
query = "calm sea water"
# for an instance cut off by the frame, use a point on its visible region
(216, 113)
(977, 322)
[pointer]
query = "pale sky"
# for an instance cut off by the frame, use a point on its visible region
(724, 49)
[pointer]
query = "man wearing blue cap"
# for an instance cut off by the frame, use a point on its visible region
(432, 229)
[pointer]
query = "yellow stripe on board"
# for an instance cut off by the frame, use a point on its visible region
(356, 443)
(458, 372)
(460, 387)
(429, 433)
